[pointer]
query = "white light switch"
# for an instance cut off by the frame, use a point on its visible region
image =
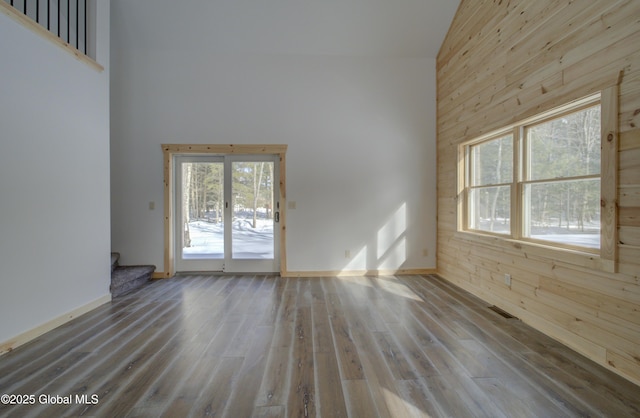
(152, 205)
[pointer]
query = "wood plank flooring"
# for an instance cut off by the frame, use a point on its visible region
(266, 346)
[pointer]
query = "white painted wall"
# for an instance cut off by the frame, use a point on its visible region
(54, 178)
(360, 131)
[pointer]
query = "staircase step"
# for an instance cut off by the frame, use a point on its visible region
(127, 278)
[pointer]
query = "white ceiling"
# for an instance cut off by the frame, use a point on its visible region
(395, 28)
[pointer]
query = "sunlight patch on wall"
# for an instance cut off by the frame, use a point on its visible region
(384, 252)
(391, 241)
(358, 262)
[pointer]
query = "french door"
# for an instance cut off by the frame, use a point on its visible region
(226, 213)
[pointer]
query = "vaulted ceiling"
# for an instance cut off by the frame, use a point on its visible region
(394, 28)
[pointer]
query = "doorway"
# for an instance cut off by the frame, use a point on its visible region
(226, 209)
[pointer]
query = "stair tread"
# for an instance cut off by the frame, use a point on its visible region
(122, 272)
(136, 267)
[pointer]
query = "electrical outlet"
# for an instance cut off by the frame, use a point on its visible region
(152, 205)
(507, 279)
(347, 254)
(425, 252)
(291, 204)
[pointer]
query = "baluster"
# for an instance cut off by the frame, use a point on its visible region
(85, 27)
(68, 21)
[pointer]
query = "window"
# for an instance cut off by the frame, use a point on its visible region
(540, 180)
(490, 183)
(561, 184)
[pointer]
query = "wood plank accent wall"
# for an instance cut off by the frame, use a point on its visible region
(504, 61)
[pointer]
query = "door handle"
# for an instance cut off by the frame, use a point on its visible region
(276, 217)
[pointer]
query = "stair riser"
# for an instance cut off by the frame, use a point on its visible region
(127, 278)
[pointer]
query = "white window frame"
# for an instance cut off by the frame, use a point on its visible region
(604, 258)
(469, 186)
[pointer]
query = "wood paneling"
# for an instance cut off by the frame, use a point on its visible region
(268, 346)
(502, 62)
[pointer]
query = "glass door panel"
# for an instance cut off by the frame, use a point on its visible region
(200, 214)
(252, 197)
(253, 213)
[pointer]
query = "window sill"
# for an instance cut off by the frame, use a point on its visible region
(543, 252)
(39, 30)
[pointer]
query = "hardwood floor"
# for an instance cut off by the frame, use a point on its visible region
(264, 346)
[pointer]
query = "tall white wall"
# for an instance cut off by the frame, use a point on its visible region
(360, 130)
(361, 157)
(54, 178)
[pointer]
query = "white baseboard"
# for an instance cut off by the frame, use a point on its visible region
(29, 335)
